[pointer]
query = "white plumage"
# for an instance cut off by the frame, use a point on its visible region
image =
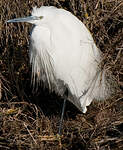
(63, 54)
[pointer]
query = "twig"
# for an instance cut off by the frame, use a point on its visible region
(30, 133)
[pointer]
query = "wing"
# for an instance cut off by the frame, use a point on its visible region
(40, 59)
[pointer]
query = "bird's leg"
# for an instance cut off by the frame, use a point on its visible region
(62, 115)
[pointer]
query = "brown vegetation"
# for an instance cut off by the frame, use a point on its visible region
(28, 125)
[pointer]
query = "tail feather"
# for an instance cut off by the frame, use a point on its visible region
(100, 89)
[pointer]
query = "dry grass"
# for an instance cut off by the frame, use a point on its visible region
(34, 126)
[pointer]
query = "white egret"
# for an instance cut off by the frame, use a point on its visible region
(63, 55)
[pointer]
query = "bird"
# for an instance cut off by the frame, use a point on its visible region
(64, 56)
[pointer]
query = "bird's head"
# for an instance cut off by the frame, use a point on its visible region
(43, 15)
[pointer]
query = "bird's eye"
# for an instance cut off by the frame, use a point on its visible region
(40, 17)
